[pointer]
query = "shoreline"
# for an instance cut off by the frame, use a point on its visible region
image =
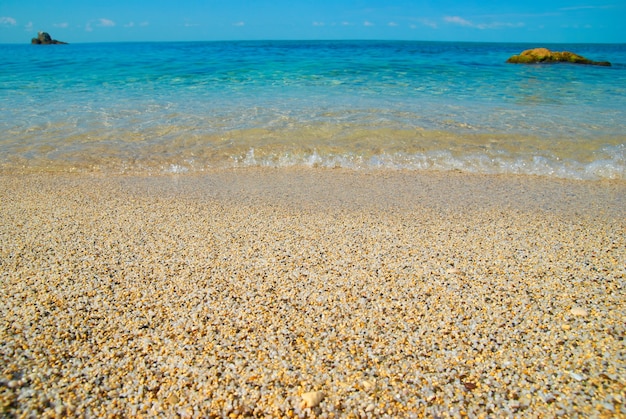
(239, 291)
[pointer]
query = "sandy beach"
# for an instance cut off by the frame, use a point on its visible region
(312, 293)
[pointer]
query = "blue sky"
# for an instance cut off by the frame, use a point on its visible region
(539, 21)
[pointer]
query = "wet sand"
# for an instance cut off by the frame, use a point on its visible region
(311, 292)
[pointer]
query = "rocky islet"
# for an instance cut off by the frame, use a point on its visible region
(545, 56)
(44, 38)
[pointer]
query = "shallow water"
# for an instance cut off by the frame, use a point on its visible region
(188, 107)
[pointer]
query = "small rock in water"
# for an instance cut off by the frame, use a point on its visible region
(544, 55)
(44, 38)
(579, 311)
(312, 398)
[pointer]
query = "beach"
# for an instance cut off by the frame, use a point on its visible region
(311, 292)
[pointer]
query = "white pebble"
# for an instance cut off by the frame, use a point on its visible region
(576, 377)
(312, 398)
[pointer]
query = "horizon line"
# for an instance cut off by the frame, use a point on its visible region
(327, 40)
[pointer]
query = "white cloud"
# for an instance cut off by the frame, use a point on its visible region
(318, 23)
(496, 25)
(106, 23)
(429, 23)
(392, 24)
(367, 23)
(576, 26)
(143, 24)
(239, 24)
(191, 25)
(7, 21)
(457, 20)
(102, 23)
(62, 25)
(344, 23)
(567, 9)
(28, 27)
(130, 25)
(505, 25)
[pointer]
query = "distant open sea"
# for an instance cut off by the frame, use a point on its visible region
(149, 108)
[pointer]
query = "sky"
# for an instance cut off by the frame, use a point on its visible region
(543, 21)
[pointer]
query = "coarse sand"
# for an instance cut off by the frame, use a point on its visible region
(311, 293)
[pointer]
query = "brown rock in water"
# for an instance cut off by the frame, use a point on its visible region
(544, 55)
(44, 38)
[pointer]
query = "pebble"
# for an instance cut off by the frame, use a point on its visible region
(579, 312)
(312, 398)
(547, 397)
(233, 293)
(368, 385)
(454, 271)
(577, 377)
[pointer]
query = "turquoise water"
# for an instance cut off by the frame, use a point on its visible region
(189, 107)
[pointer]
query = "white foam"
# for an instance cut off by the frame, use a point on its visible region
(176, 169)
(443, 160)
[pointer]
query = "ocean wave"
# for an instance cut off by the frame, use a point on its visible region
(607, 167)
(610, 168)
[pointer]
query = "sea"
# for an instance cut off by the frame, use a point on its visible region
(189, 107)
